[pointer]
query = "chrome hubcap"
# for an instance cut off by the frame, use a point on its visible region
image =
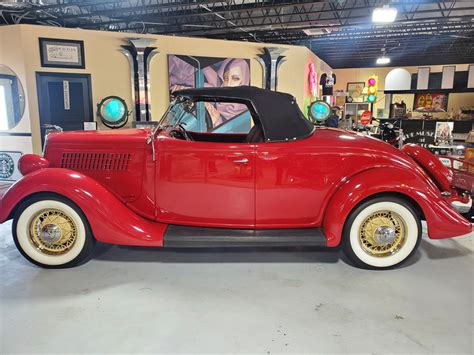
(384, 235)
(50, 234)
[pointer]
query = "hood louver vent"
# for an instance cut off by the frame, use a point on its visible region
(95, 161)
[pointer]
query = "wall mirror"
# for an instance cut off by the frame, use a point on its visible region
(12, 99)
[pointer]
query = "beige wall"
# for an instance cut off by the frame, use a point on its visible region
(10, 38)
(109, 68)
(362, 74)
(320, 68)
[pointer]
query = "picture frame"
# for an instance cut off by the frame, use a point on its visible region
(62, 53)
(355, 91)
(423, 78)
(430, 102)
(470, 80)
(447, 79)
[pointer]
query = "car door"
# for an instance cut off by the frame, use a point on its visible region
(292, 184)
(205, 183)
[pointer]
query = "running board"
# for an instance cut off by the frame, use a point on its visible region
(185, 236)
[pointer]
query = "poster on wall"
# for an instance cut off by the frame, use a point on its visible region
(198, 72)
(444, 133)
(431, 102)
(355, 92)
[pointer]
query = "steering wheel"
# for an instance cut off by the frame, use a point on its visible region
(178, 131)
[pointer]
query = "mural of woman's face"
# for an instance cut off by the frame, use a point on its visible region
(233, 77)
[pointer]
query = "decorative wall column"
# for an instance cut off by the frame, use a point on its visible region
(139, 54)
(270, 60)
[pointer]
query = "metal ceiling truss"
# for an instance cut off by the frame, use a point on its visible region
(339, 31)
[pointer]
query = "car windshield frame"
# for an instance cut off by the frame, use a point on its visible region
(277, 113)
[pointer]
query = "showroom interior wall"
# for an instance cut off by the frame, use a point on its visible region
(11, 54)
(344, 76)
(109, 68)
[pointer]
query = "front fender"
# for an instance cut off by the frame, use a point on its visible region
(110, 220)
(442, 220)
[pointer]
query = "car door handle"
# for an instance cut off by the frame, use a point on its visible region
(241, 161)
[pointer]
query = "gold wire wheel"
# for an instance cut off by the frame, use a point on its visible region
(52, 232)
(383, 233)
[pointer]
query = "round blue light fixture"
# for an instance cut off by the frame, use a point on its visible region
(319, 111)
(113, 112)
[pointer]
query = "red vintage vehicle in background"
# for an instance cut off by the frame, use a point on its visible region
(285, 183)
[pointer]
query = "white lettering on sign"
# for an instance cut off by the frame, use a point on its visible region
(67, 102)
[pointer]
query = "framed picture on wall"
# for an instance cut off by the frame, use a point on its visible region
(62, 53)
(431, 102)
(355, 92)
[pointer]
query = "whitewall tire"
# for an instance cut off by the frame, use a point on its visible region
(382, 233)
(52, 232)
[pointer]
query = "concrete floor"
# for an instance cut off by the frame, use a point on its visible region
(237, 301)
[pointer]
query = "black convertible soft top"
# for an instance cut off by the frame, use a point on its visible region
(277, 112)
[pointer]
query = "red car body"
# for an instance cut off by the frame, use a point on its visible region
(131, 190)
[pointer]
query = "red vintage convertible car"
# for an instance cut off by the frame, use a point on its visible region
(285, 183)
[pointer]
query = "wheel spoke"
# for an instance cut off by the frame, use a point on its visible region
(382, 233)
(52, 232)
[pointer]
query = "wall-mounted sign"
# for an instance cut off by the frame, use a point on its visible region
(366, 117)
(8, 166)
(62, 53)
(67, 99)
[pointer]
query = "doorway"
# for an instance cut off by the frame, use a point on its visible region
(64, 100)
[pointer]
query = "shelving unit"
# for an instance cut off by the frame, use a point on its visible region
(355, 110)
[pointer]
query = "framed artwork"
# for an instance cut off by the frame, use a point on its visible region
(444, 133)
(62, 53)
(198, 72)
(355, 91)
(431, 102)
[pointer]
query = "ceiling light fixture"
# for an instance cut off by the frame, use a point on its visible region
(383, 60)
(385, 14)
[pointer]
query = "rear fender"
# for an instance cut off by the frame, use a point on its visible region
(110, 220)
(442, 220)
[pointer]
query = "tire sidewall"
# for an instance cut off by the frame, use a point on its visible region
(81, 248)
(352, 244)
